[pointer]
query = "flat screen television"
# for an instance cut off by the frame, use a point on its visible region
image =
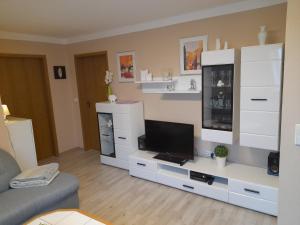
(174, 141)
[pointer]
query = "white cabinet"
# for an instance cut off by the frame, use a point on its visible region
(22, 140)
(261, 82)
(245, 186)
(220, 93)
(120, 124)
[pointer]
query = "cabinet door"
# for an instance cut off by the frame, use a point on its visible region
(106, 133)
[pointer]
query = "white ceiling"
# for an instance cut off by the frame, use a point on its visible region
(67, 19)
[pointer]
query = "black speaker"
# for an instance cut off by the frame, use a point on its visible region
(273, 163)
(142, 142)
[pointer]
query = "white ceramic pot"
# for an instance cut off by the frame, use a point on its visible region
(262, 36)
(221, 161)
(112, 98)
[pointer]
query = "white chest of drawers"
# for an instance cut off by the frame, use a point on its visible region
(261, 86)
(119, 139)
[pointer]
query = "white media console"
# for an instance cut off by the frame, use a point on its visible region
(238, 184)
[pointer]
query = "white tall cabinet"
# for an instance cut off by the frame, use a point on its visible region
(120, 125)
(22, 140)
(261, 86)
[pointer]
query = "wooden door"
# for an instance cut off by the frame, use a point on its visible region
(90, 70)
(24, 87)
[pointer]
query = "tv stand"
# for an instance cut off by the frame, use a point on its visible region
(245, 186)
(170, 158)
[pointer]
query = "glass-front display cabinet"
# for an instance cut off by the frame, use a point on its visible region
(106, 128)
(217, 97)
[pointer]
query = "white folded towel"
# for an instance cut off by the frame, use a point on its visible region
(37, 176)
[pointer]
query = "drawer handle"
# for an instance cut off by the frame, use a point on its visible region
(124, 138)
(252, 191)
(140, 164)
(187, 186)
(259, 99)
(106, 135)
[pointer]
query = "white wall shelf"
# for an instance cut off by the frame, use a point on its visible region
(181, 85)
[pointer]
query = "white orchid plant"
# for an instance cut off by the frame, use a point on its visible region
(108, 80)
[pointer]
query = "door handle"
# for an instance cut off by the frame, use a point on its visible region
(122, 138)
(88, 104)
(259, 99)
(107, 135)
(140, 164)
(187, 186)
(251, 191)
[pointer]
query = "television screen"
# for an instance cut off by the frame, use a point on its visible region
(173, 138)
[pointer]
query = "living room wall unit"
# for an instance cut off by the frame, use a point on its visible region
(158, 50)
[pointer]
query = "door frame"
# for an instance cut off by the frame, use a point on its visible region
(46, 78)
(78, 56)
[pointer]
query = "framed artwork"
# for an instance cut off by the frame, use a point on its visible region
(59, 72)
(190, 54)
(126, 66)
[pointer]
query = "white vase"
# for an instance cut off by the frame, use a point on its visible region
(262, 35)
(221, 162)
(218, 44)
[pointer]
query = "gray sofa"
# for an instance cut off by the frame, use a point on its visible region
(19, 205)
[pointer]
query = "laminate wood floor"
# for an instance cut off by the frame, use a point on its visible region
(113, 195)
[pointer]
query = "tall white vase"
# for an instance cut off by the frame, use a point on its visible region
(262, 35)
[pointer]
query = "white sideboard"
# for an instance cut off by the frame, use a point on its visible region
(22, 140)
(261, 82)
(238, 184)
(120, 124)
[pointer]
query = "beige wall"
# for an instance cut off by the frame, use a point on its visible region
(289, 196)
(158, 49)
(61, 90)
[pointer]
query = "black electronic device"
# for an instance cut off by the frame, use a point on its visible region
(273, 163)
(142, 143)
(173, 141)
(202, 177)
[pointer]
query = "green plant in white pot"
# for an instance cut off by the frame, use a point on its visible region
(221, 153)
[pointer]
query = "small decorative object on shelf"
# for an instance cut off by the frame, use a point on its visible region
(221, 153)
(262, 35)
(225, 45)
(218, 44)
(108, 80)
(193, 84)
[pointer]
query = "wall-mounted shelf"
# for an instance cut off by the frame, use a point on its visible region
(181, 85)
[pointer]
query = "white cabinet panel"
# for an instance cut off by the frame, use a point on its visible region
(218, 136)
(261, 74)
(211, 191)
(260, 99)
(122, 137)
(121, 121)
(259, 141)
(254, 203)
(123, 151)
(262, 52)
(253, 190)
(218, 57)
(183, 184)
(261, 123)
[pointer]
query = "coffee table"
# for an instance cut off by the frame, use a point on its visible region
(66, 217)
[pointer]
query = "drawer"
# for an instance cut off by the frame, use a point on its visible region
(175, 182)
(253, 190)
(211, 191)
(260, 123)
(260, 99)
(144, 174)
(121, 121)
(259, 141)
(143, 164)
(254, 203)
(262, 52)
(123, 152)
(261, 74)
(122, 137)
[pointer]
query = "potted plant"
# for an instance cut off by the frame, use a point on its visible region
(221, 153)
(108, 80)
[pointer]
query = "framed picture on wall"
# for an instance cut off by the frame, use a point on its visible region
(126, 66)
(190, 54)
(59, 72)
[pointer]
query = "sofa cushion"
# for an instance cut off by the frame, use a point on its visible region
(22, 204)
(8, 170)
